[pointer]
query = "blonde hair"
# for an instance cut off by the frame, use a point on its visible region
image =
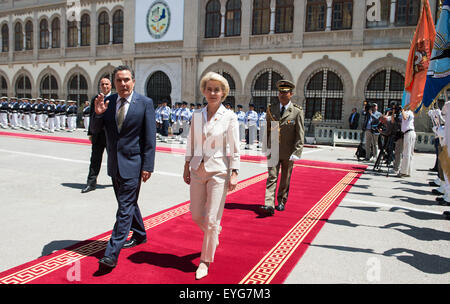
(215, 77)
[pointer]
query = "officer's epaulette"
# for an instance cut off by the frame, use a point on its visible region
(297, 106)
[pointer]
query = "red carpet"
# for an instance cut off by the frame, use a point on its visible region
(251, 250)
(85, 141)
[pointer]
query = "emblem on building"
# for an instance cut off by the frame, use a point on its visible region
(158, 19)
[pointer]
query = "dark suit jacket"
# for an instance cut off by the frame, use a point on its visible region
(133, 149)
(353, 125)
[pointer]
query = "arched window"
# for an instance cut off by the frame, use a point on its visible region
(233, 18)
(159, 87)
(342, 15)
(261, 17)
(23, 87)
(5, 38)
(316, 15)
(213, 19)
(407, 12)
(3, 86)
(49, 87)
(18, 37)
(118, 27)
(56, 41)
(264, 88)
(72, 34)
(85, 30)
(284, 16)
(324, 94)
(44, 34)
(383, 87)
(103, 28)
(77, 89)
(29, 35)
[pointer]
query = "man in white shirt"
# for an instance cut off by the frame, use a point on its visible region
(409, 140)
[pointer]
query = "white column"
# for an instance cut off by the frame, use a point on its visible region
(392, 14)
(329, 13)
(222, 23)
(272, 16)
(79, 32)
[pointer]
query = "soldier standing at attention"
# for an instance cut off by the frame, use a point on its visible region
(290, 118)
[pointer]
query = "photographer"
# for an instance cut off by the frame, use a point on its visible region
(409, 140)
(370, 129)
(397, 135)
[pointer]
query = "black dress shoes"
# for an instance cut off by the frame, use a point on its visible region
(447, 215)
(266, 211)
(280, 207)
(133, 242)
(88, 188)
(108, 262)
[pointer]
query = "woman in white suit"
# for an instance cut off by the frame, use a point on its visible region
(212, 164)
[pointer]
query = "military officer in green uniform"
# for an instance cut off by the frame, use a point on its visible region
(290, 120)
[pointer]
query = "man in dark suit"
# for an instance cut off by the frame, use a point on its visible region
(98, 141)
(353, 120)
(129, 121)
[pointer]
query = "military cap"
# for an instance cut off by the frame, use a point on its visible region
(198, 104)
(240, 106)
(4, 97)
(184, 103)
(251, 105)
(285, 85)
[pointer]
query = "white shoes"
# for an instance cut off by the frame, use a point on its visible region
(202, 271)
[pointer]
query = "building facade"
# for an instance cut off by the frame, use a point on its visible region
(339, 53)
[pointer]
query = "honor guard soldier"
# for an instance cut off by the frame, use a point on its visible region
(185, 117)
(191, 108)
(241, 120)
(51, 113)
(33, 114)
(262, 126)
(251, 120)
(71, 112)
(26, 110)
(86, 115)
(57, 115)
(165, 117)
(4, 112)
(14, 106)
(286, 118)
(198, 106)
(39, 115)
(158, 120)
(45, 114)
(63, 114)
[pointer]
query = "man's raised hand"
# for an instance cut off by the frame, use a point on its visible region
(100, 104)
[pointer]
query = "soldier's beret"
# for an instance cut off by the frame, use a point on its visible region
(239, 106)
(251, 105)
(185, 103)
(285, 85)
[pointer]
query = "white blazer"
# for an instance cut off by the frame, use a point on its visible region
(216, 142)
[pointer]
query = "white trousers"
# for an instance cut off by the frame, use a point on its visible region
(26, 121)
(86, 122)
(4, 119)
(208, 191)
(14, 118)
(241, 131)
(252, 134)
(63, 119)
(51, 124)
(409, 141)
(57, 122)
